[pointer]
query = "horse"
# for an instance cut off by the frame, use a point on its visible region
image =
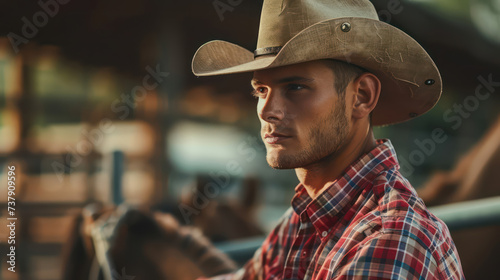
(111, 243)
(472, 177)
(114, 243)
(224, 219)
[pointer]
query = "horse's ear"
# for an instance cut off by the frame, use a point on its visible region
(250, 192)
(199, 194)
(193, 199)
(76, 260)
(188, 194)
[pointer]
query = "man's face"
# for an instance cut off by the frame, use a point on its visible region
(303, 118)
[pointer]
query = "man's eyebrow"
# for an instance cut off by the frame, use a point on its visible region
(284, 80)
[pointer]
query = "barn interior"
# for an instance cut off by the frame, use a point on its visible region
(98, 106)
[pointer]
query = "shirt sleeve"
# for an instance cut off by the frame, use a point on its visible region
(389, 256)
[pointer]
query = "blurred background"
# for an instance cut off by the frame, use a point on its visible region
(98, 104)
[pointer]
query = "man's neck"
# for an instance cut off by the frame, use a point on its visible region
(318, 176)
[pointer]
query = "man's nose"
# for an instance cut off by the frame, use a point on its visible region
(271, 108)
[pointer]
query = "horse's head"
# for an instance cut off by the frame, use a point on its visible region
(145, 245)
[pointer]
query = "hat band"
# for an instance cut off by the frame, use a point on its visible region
(266, 51)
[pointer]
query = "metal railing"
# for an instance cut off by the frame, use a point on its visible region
(457, 216)
(469, 214)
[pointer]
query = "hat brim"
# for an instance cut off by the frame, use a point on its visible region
(411, 83)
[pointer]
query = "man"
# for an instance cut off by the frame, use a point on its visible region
(325, 72)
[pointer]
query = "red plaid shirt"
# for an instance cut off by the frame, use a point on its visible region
(370, 224)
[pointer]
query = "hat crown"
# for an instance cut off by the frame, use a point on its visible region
(282, 19)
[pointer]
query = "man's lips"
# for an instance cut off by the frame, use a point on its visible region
(275, 138)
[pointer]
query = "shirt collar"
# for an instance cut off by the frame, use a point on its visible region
(323, 212)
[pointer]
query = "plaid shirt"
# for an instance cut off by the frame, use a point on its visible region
(369, 224)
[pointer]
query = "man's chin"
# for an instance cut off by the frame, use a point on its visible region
(280, 163)
(279, 167)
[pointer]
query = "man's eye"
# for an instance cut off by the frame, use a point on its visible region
(295, 87)
(259, 92)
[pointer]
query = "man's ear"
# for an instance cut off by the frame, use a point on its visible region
(367, 92)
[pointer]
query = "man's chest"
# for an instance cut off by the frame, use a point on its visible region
(311, 254)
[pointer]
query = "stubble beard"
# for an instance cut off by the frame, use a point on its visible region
(327, 136)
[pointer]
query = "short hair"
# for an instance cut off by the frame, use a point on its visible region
(344, 73)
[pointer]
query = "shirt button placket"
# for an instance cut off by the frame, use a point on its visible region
(324, 233)
(304, 264)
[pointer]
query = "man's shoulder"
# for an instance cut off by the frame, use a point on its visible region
(404, 214)
(400, 227)
(395, 196)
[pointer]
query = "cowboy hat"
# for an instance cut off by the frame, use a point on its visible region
(296, 31)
